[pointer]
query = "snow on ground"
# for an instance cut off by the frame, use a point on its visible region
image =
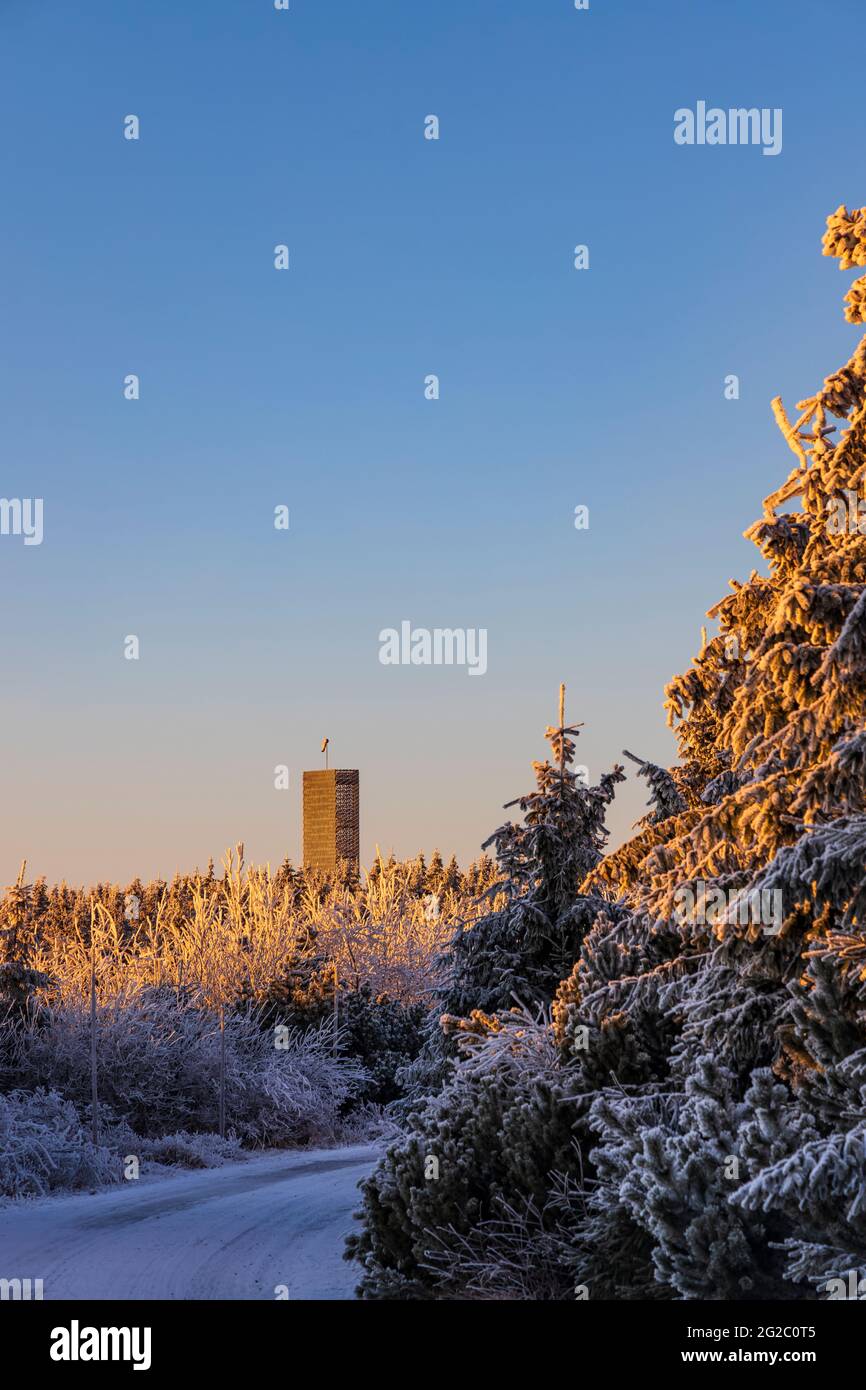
(230, 1233)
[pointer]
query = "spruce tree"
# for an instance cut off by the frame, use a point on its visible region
(520, 954)
(18, 979)
(771, 731)
(763, 972)
(435, 873)
(451, 876)
(712, 1030)
(497, 1122)
(416, 876)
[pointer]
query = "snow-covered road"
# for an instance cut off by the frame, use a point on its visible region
(234, 1232)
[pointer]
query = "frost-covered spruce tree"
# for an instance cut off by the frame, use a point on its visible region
(763, 854)
(744, 937)
(493, 1140)
(499, 1131)
(521, 952)
(18, 979)
(712, 1031)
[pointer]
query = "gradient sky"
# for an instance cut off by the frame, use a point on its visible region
(408, 257)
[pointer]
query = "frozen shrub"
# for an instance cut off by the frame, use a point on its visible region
(384, 1035)
(157, 1058)
(525, 1253)
(192, 1150)
(291, 1095)
(498, 1127)
(45, 1148)
(368, 1123)
(158, 1066)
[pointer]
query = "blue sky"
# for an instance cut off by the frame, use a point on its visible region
(306, 388)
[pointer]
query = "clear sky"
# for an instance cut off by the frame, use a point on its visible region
(408, 257)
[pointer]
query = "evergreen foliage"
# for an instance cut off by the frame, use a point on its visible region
(18, 978)
(710, 1025)
(521, 952)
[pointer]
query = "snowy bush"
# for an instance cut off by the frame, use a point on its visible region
(291, 1095)
(525, 1253)
(384, 1035)
(189, 1150)
(158, 1066)
(498, 1127)
(45, 1148)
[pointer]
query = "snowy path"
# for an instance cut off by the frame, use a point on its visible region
(234, 1232)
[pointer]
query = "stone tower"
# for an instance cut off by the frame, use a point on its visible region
(330, 818)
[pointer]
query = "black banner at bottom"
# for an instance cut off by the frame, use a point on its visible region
(267, 1339)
